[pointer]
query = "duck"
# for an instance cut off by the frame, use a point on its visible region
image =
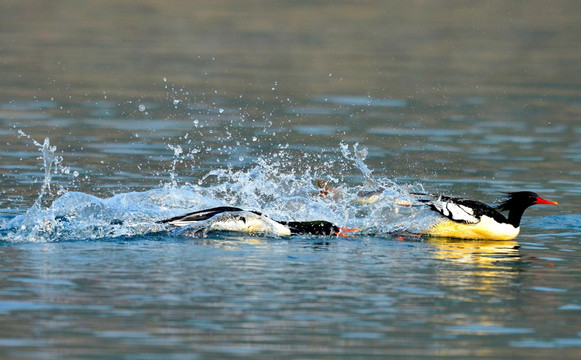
(234, 219)
(469, 219)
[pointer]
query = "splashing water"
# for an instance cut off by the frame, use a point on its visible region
(284, 196)
(177, 152)
(358, 157)
(50, 159)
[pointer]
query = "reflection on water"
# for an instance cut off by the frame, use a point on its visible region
(487, 267)
(480, 253)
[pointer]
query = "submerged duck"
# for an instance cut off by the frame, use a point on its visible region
(469, 219)
(227, 218)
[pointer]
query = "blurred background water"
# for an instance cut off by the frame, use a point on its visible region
(466, 98)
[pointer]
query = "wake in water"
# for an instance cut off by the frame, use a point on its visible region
(264, 188)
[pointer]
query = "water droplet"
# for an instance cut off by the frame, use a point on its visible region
(141, 107)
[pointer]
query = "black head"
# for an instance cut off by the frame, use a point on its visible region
(312, 227)
(318, 227)
(522, 200)
(518, 202)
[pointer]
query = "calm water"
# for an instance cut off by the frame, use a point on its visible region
(156, 109)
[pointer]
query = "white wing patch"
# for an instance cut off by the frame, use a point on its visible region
(239, 221)
(247, 222)
(455, 211)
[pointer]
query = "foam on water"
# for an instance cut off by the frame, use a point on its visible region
(282, 195)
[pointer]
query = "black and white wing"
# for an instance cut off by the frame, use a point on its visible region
(455, 211)
(226, 218)
(190, 218)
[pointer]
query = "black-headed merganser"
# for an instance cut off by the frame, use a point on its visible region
(469, 219)
(227, 218)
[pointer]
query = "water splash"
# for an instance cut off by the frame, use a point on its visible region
(358, 157)
(50, 160)
(177, 152)
(285, 195)
(39, 222)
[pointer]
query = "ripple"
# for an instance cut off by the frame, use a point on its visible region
(499, 139)
(487, 329)
(557, 343)
(420, 291)
(547, 289)
(325, 130)
(416, 132)
(22, 343)
(364, 101)
(361, 335)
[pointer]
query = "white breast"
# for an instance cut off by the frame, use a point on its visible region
(486, 229)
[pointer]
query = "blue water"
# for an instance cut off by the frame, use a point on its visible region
(114, 116)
